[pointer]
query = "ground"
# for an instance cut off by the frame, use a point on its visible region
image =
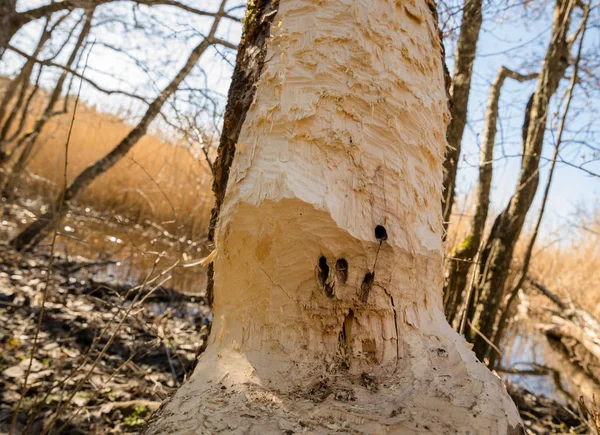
(93, 375)
(96, 386)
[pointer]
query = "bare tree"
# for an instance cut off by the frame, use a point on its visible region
(27, 142)
(12, 21)
(462, 256)
(35, 232)
(522, 276)
(497, 254)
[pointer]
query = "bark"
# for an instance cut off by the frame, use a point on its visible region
(35, 232)
(27, 143)
(8, 27)
(463, 255)
(497, 255)
(464, 58)
(328, 244)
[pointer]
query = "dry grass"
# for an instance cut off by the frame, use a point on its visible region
(568, 266)
(572, 269)
(156, 180)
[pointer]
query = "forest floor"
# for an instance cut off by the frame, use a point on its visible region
(108, 353)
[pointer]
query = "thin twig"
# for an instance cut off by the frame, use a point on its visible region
(51, 259)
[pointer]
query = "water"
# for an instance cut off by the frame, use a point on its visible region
(527, 348)
(126, 252)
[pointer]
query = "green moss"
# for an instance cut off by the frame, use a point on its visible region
(136, 417)
(250, 19)
(467, 243)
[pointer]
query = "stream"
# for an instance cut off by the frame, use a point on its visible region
(126, 252)
(542, 366)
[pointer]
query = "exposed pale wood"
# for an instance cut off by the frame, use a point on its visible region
(328, 244)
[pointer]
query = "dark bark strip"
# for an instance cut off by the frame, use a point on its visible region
(248, 68)
(497, 254)
(464, 58)
(38, 229)
(447, 79)
(462, 256)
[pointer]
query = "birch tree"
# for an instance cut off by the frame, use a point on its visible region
(327, 232)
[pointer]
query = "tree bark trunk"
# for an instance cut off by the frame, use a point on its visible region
(463, 255)
(35, 232)
(328, 244)
(497, 254)
(8, 23)
(464, 58)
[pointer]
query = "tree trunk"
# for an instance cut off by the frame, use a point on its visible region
(8, 23)
(466, 49)
(328, 244)
(36, 231)
(508, 308)
(463, 255)
(497, 254)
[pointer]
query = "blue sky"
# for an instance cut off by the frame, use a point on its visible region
(519, 44)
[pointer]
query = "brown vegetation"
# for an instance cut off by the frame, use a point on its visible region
(158, 180)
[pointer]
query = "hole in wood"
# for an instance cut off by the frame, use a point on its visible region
(380, 233)
(323, 276)
(341, 270)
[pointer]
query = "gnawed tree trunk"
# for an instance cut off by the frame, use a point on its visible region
(462, 256)
(498, 251)
(328, 244)
(464, 57)
(37, 230)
